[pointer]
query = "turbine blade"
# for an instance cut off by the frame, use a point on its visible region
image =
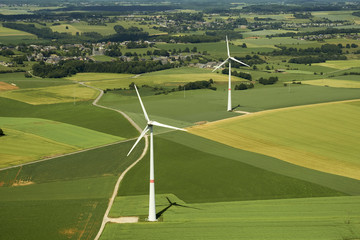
(138, 140)
(227, 45)
(142, 105)
(166, 126)
(220, 65)
(234, 59)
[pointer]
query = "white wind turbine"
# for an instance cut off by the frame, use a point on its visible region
(229, 108)
(150, 124)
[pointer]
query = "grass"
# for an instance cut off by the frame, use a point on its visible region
(211, 178)
(210, 105)
(313, 218)
(170, 78)
(22, 82)
(66, 197)
(82, 114)
(334, 83)
(340, 64)
(51, 95)
(321, 137)
(43, 138)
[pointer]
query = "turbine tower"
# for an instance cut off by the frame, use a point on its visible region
(229, 108)
(149, 126)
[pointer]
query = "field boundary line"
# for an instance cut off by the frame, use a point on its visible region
(106, 219)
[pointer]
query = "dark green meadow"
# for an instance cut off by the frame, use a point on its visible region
(22, 82)
(65, 198)
(209, 105)
(82, 114)
(196, 175)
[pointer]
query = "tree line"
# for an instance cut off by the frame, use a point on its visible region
(70, 67)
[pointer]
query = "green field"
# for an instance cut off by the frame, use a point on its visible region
(170, 78)
(43, 138)
(313, 218)
(340, 64)
(51, 95)
(68, 195)
(22, 82)
(82, 114)
(8, 35)
(178, 110)
(334, 83)
(321, 137)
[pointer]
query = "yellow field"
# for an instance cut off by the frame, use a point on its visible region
(324, 137)
(340, 64)
(334, 83)
(50, 95)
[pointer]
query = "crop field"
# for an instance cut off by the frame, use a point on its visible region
(8, 35)
(82, 114)
(50, 95)
(313, 218)
(43, 138)
(217, 49)
(334, 83)
(22, 82)
(340, 64)
(283, 165)
(66, 28)
(277, 133)
(68, 195)
(178, 108)
(171, 78)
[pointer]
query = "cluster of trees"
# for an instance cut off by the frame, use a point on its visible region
(277, 8)
(237, 74)
(291, 51)
(269, 81)
(303, 15)
(45, 32)
(6, 52)
(129, 34)
(316, 59)
(244, 86)
(180, 17)
(142, 44)
(189, 38)
(2, 133)
(68, 68)
(319, 32)
(198, 85)
(117, 8)
(250, 60)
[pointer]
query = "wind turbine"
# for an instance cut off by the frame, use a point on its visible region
(149, 126)
(229, 109)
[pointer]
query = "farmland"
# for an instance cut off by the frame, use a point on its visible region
(312, 218)
(293, 144)
(283, 164)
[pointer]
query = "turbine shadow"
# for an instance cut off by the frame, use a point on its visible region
(235, 107)
(159, 214)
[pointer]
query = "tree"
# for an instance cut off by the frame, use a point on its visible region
(194, 49)
(132, 86)
(244, 45)
(2, 132)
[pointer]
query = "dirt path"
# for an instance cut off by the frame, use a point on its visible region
(106, 218)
